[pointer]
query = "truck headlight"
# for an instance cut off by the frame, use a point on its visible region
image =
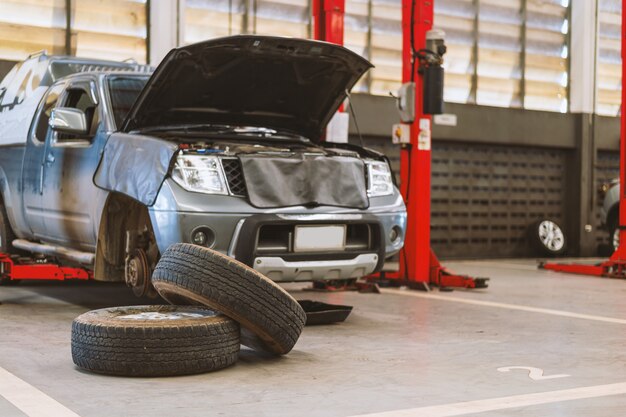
(379, 178)
(199, 173)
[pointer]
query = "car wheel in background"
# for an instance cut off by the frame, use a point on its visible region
(154, 340)
(271, 319)
(547, 238)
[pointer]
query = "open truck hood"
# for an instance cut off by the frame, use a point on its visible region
(280, 83)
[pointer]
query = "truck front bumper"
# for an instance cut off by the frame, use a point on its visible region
(237, 235)
(277, 269)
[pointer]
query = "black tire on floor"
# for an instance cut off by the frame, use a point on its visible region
(271, 319)
(154, 341)
(547, 238)
(6, 238)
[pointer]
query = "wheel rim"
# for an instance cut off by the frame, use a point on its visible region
(175, 315)
(615, 239)
(137, 273)
(551, 235)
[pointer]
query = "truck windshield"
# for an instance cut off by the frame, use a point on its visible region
(124, 91)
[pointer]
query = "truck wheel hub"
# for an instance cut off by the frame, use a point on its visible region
(136, 273)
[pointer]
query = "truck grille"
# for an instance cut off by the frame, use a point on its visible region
(278, 238)
(234, 176)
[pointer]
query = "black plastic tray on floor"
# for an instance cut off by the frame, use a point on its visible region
(323, 313)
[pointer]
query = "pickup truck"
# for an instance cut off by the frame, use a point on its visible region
(106, 164)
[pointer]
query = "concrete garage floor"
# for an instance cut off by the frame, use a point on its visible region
(401, 353)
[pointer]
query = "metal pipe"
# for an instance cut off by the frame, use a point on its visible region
(84, 258)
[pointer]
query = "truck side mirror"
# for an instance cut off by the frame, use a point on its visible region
(68, 120)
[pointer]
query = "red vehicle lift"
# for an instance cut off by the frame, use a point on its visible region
(28, 269)
(615, 266)
(419, 266)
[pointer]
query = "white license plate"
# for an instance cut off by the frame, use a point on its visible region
(319, 238)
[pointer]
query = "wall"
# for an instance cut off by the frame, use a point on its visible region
(541, 163)
(5, 67)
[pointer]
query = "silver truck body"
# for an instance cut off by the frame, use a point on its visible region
(48, 190)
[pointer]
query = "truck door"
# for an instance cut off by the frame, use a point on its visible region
(69, 195)
(34, 162)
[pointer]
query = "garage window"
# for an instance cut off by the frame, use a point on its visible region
(546, 55)
(212, 19)
(282, 18)
(499, 64)
(208, 19)
(507, 53)
(31, 26)
(357, 33)
(113, 29)
(386, 46)
(458, 19)
(609, 62)
(373, 29)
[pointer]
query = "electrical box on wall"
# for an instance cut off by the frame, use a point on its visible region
(401, 133)
(406, 102)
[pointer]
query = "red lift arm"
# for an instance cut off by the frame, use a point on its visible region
(15, 270)
(615, 266)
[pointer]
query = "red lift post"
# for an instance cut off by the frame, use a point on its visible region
(615, 266)
(328, 17)
(419, 266)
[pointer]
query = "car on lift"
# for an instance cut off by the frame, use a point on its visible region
(220, 146)
(609, 212)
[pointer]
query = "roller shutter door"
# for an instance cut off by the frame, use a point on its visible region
(484, 197)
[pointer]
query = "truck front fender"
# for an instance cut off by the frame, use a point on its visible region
(6, 198)
(135, 166)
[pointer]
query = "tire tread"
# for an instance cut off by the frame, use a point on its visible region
(227, 284)
(152, 349)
